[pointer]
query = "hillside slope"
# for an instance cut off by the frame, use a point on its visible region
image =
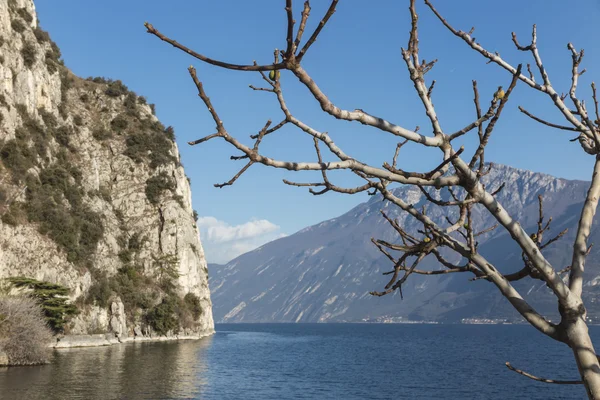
(324, 273)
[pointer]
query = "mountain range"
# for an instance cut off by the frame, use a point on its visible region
(324, 273)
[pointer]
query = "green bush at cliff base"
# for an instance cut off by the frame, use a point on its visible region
(162, 317)
(139, 294)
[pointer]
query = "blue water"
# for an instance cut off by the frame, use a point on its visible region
(310, 361)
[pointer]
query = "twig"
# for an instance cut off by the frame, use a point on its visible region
(315, 34)
(545, 380)
(565, 128)
(267, 67)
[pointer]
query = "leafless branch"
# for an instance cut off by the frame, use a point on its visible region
(318, 30)
(545, 380)
(290, 29)
(550, 124)
(239, 67)
(302, 27)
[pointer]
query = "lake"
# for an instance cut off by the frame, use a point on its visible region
(310, 361)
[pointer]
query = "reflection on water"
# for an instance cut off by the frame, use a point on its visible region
(129, 371)
(310, 361)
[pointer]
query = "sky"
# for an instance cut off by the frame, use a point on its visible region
(356, 61)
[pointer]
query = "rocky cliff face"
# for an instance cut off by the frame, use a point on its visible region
(92, 193)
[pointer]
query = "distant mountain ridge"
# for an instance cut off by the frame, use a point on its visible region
(324, 273)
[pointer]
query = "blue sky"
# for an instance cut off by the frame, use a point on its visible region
(356, 61)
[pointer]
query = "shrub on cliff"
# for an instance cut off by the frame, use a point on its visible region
(150, 141)
(28, 53)
(156, 185)
(116, 89)
(24, 334)
(192, 303)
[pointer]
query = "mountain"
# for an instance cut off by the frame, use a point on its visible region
(93, 196)
(324, 273)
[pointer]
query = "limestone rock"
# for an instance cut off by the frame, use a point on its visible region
(3, 359)
(118, 323)
(125, 195)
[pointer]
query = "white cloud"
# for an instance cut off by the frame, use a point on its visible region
(223, 242)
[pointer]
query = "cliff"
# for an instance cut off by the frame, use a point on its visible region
(93, 195)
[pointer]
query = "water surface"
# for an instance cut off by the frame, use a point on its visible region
(310, 361)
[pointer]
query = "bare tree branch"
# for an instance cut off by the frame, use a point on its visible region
(302, 27)
(239, 67)
(495, 58)
(545, 380)
(550, 124)
(318, 30)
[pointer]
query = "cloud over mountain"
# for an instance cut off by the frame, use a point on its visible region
(223, 242)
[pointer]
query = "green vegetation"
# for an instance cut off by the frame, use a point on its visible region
(170, 132)
(52, 55)
(172, 313)
(66, 83)
(166, 271)
(41, 35)
(28, 53)
(146, 140)
(119, 123)
(192, 303)
(162, 317)
(100, 291)
(50, 63)
(17, 25)
(130, 103)
(101, 134)
(115, 88)
(149, 141)
(52, 298)
(153, 298)
(54, 197)
(156, 185)
(23, 13)
(56, 203)
(134, 288)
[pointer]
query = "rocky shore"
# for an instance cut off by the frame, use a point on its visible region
(108, 339)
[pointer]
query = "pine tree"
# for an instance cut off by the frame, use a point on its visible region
(52, 298)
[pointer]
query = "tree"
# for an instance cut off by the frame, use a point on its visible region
(460, 177)
(52, 298)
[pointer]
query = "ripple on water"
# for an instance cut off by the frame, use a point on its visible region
(308, 361)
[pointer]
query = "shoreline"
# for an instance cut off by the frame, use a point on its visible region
(108, 339)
